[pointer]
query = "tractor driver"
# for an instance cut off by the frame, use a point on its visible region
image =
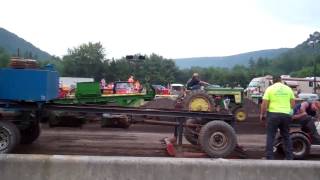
(195, 83)
(305, 113)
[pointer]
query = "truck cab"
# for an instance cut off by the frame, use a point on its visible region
(258, 85)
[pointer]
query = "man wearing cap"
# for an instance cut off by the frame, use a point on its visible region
(304, 114)
(195, 83)
(276, 108)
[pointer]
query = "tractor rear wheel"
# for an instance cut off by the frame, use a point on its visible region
(300, 146)
(198, 101)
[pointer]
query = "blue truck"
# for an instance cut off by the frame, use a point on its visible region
(24, 86)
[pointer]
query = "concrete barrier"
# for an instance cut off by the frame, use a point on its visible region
(56, 167)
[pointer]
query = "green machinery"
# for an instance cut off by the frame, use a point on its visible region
(216, 99)
(89, 93)
(231, 97)
(210, 99)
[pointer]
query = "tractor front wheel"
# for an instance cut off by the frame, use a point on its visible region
(240, 114)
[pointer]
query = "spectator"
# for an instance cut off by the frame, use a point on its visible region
(102, 85)
(131, 79)
(137, 86)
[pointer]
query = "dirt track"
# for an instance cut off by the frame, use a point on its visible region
(138, 140)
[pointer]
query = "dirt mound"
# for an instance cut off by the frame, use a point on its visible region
(252, 124)
(160, 103)
(251, 107)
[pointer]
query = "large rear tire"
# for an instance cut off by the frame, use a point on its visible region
(300, 146)
(9, 137)
(218, 139)
(198, 101)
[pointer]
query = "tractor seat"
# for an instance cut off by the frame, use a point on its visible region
(295, 125)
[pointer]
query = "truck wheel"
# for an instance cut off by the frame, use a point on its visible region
(198, 101)
(31, 133)
(217, 139)
(191, 134)
(122, 122)
(240, 114)
(9, 136)
(53, 119)
(116, 121)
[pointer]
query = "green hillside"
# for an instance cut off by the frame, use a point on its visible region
(229, 61)
(11, 42)
(298, 61)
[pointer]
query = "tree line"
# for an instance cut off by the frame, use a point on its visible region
(89, 60)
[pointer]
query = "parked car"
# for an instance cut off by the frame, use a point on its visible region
(161, 90)
(123, 87)
(177, 89)
(108, 89)
(308, 96)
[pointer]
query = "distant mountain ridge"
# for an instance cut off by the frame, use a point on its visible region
(11, 42)
(229, 61)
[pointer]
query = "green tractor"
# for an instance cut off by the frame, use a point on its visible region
(230, 99)
(214, 99)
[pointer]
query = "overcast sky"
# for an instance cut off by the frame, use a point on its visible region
(171, 28)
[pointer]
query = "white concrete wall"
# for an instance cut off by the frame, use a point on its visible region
(43, 167)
